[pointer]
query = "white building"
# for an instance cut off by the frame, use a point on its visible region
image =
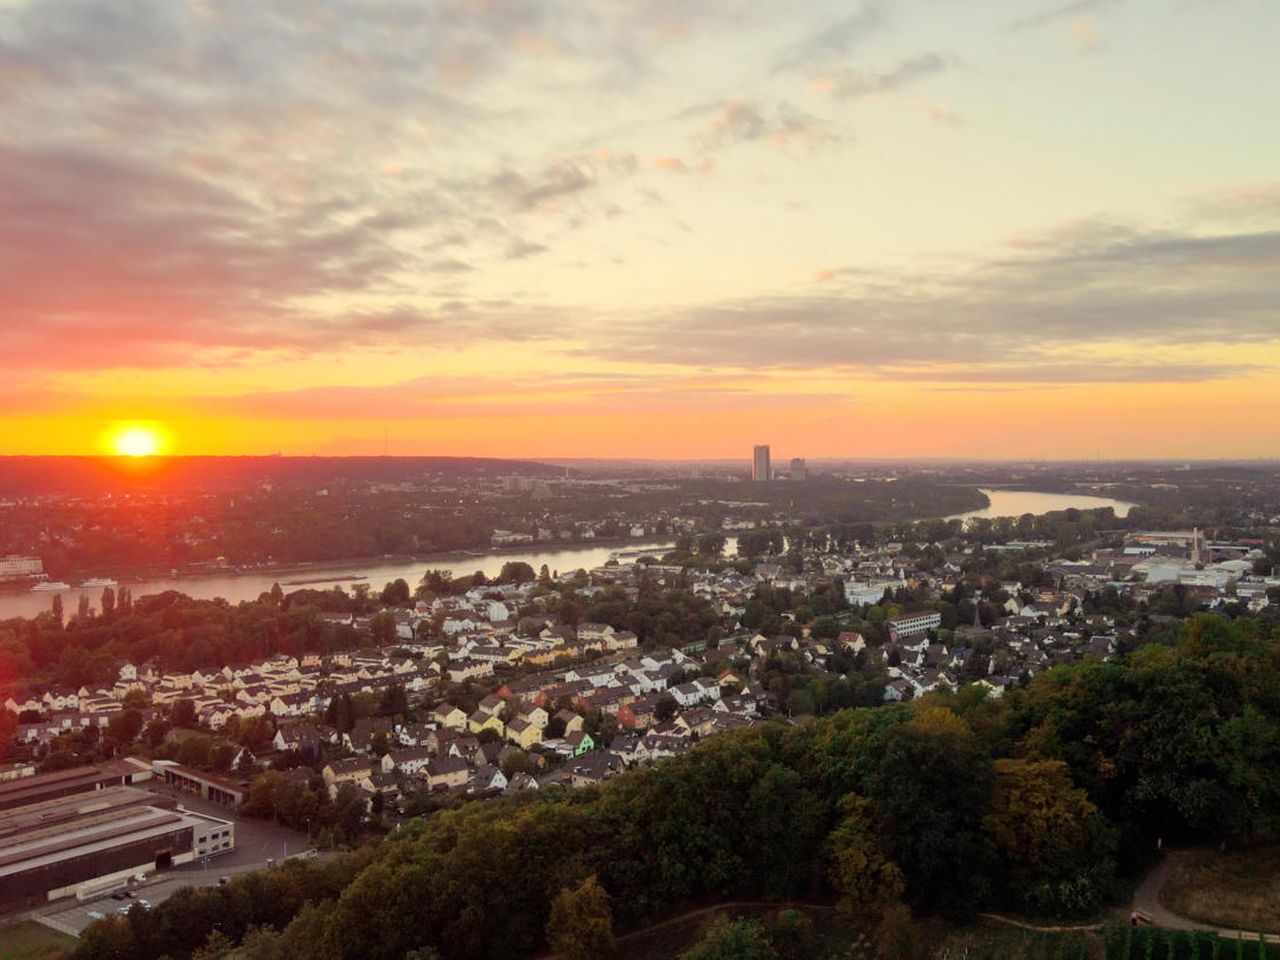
(14, 567)
(914, 624)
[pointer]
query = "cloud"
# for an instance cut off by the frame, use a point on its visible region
(741, 121)
(850, 84)
(564, 394)
(1059, 13)
(523, 249)
(1092, 288)
(833, 40)
(149, 263)
(1256, 203)
(1058, 373)
(1085, 36)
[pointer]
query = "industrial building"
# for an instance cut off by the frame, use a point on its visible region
(86, 844)
(210, 786)
(63, 783)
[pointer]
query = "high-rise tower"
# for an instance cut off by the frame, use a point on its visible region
(760, 469)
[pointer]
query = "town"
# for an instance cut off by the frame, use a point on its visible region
(459, 688)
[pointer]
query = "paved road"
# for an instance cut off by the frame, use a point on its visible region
(1146, 899)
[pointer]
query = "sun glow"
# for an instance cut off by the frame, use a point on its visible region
(136, 440)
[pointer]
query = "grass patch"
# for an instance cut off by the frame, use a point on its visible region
(29, 940)
(1239, 890)
(991, 941)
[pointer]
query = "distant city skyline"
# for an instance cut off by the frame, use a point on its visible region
(878, 229)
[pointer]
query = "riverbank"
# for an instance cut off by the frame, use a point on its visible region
(249, 583)
(132, 575)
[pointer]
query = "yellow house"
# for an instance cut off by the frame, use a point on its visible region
(485, 721)
(447, 715)
(523, 734)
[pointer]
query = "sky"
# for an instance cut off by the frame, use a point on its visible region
(671, 228)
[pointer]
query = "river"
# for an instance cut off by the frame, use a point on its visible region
(249, 586)
(1014, 503)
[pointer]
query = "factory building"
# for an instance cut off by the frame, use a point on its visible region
(89, 843)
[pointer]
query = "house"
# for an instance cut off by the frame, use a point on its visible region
(627, 746)
(408, 761)
(523, 733)
(535, 715)
(360, 739)
(579, 742)
(696, 691)
(446, 774)
(486, 777)
(447, 715)
(900, 689)
(572, 722)
(593, 769)
(637, 715)
(339, 772)
(481, 721)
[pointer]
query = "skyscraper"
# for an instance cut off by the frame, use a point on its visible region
(799, 470)
(760, 469)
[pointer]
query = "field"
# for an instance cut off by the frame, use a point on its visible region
(1239, 890)
(32, 941)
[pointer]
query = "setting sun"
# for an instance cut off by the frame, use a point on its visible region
(136, 441)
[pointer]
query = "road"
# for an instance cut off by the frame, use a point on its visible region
(1146, 899)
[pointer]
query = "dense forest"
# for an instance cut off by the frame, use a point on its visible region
(1041, 802)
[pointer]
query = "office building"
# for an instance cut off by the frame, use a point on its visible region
(760, 469)
(799, 471)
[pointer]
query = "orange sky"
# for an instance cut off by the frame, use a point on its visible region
(658, 230)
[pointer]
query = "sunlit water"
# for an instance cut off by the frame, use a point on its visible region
(1014, 503)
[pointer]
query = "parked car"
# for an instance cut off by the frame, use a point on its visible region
(97, 915)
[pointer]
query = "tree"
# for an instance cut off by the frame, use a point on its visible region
(393, 702)
(665, 707)
(1036, 812)
(184, 714)
(57, 610)
(125, 726)
(861, 870)
(108, 602)
(517, 572)
(396, 593)
(732, 940)
(382, 626)
(581, 922)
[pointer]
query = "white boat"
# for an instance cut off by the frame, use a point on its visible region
(51, 586)
(100, 582)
